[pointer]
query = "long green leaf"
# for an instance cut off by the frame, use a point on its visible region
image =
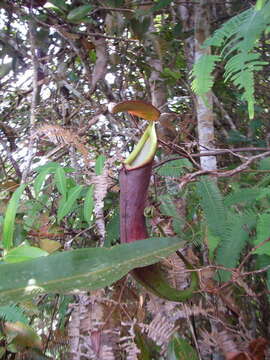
(39, 180)
(82, 269)
(61, 181)
(8, 227)
(100, 161)
(66, 206)
(88, 206)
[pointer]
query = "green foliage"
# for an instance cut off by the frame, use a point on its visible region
(9, 221)
(60, 4)
(13, 313)
(201, 73)
(168, 208)
(245, 196)
(237, 38)
(88, 206)
(179, 348)
(263, 233)
(61, 181)
(100, 161)
(79, 13)
(211, 201)
(66, 206)
(174, 168)
(82, 269)
(229, 231)
(231, 246)
(23, 253)
(112, 229)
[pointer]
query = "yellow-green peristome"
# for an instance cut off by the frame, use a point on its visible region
(145, 150)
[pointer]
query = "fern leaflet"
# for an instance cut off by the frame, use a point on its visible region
(174, 168)
(213, 207)
(238, 38)
(263, 233)
(201, 74)
(245, 195)
(229, 250)
(12, 313)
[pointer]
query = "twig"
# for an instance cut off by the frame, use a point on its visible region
(223, 111)
(250, 253)
(183, 153)
(51, 325)
(215, 173)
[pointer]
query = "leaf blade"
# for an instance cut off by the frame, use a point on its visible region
(9, 221)
(80, 269)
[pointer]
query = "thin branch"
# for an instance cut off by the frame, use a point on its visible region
(186, 155)
(250, 253)
(215, 173)
(223, 111)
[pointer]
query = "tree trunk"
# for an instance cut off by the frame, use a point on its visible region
(204, 109)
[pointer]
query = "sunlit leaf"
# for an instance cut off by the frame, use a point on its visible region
(139, 108)
(8, 227)
(81, 269)
(24, 253)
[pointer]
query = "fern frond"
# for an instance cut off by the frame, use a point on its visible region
(240, 70)
(13, 313)
(230, 248)
(184, 312)
(227, 30)
(168, 208)
(174, 168)
(213, 207)
(245, 196)
(238, 38)
(201, 74)
(263, 233)
(160, 329)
